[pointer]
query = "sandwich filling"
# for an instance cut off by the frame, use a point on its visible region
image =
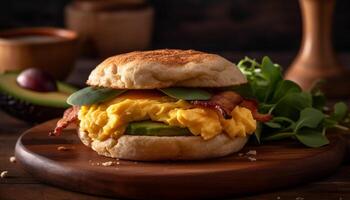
(224, 113)
(111, 118)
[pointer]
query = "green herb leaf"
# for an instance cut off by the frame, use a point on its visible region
(187, 93)
(291, 105)
(272, 74)
(257, 132)
(318, 97)
(91, 95)
(329, 123)
(340, 111)
(309, 117)
(284, 123)
(262, 78)
(306, 129)
(273, 124)
(279, 136)
(257, 81)
(283, 88)
(318, 101)
(312, 138)
(271, 70)
(244, 90)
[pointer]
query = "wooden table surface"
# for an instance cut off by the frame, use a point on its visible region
(20, 185)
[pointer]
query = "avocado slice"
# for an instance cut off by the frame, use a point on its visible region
(30, 105)
(9, 86)
(151, 128)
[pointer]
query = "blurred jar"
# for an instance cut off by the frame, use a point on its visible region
(110, 27)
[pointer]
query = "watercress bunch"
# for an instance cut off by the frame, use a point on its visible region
(297, 114)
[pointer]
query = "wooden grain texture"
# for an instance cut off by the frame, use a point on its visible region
(278, 165)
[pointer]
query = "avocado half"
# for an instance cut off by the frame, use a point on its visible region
(29, 105)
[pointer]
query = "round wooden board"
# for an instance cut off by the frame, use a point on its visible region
(277, 165)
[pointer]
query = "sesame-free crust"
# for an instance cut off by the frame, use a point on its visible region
(165, 68)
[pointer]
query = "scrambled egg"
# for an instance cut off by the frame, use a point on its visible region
(110, 119)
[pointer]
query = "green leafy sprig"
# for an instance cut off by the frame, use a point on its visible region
(297, 114)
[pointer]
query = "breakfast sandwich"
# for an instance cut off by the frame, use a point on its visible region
(163, 105)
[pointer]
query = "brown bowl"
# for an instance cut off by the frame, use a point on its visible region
(111, 27)
(50, 49)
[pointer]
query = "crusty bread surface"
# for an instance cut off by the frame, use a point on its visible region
(154, 148)
(165, 68)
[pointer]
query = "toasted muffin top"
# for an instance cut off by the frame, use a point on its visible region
(165, 68)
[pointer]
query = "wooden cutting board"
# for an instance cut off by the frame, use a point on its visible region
(80, 169)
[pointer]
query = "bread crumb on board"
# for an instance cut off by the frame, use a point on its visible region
(4, 174)
(63, 148)
(12, 159)
(105, 164)
(252, 159)
(251, 152)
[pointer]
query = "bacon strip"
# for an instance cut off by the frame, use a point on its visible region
(252, 105)
(69, 116)
(223, 102)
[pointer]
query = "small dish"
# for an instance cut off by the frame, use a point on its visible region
(113, 26)
(47, 48)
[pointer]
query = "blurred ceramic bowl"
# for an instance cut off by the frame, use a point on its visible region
(110, 27)
(50, 49)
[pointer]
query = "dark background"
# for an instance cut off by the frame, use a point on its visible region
(215, 25)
